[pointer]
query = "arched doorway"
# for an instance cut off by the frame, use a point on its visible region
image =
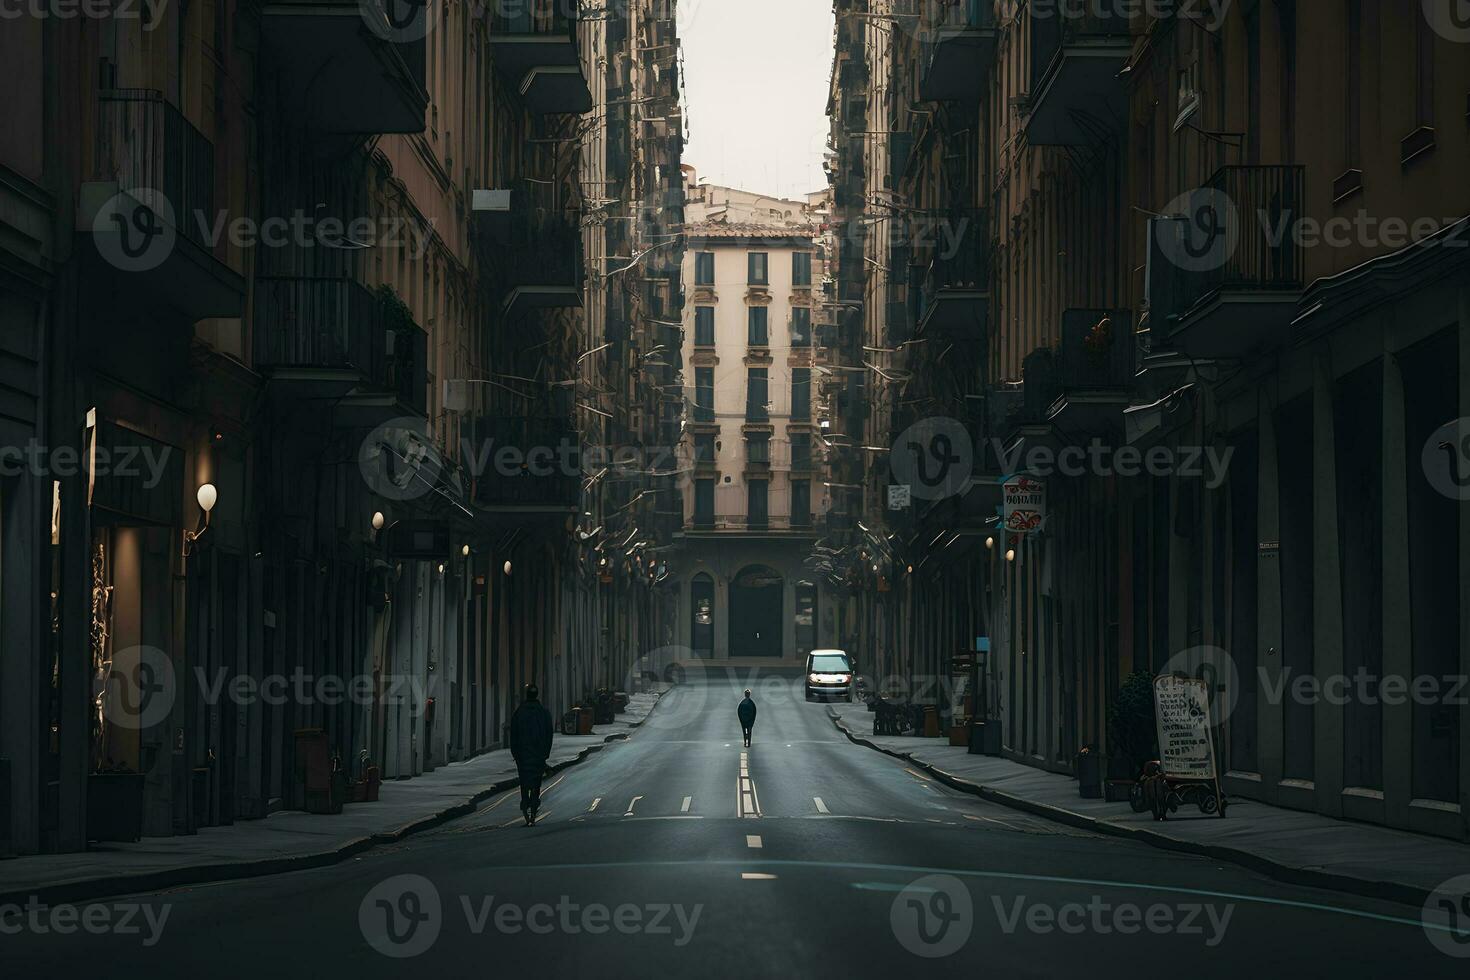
(756, 600)
(702, 615)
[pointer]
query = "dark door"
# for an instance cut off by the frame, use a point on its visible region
(755, 613)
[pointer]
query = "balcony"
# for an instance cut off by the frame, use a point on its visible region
(1077, 97)
(333, 339)
(350, 66)
(151, 203)
(533, 245)
(1097, 367)
(1236, 294)
(958, 55)
(526, 465)
(955, 294)
(535, 47)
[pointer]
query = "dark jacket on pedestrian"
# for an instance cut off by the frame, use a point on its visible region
(746, 711)
(530, 736)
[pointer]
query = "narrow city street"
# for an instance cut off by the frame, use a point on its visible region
(642, 863)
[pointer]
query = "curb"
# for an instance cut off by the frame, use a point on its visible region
(89, 889)
(1385, 890)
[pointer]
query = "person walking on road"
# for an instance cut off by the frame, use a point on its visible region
(530, 745)
(746, 711)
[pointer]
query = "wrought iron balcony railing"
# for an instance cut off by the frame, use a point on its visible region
(145, 143)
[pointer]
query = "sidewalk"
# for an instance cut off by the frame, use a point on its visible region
(290, 840)
(1290, 845)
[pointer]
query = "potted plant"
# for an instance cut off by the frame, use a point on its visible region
(1131, 733)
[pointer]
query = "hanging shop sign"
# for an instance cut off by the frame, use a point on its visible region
(1182, 713)
(1024, 504)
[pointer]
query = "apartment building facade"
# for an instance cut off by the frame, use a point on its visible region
(1202, 256)
(280, 282)
(753, 496)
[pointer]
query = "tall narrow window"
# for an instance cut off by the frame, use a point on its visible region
(704, 447)
(704, 394)
(704, 502)
(1287, 56)
(801, 451)
(1423, 72)
(1353, 107)
(801, 268)
(756, 396)
(704, 326)
(801, 503)
(801, 394)
(758, 448)
(758, 271)
(704, 268)
(760, 333)
(801, 326)
(758, 509)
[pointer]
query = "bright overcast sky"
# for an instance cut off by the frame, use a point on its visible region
(755, 74)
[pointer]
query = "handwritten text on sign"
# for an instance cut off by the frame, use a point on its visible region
(1182, 710)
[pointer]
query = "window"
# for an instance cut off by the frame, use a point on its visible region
(1424, 72)
(801, 394)
(760, 333)
(704, 326)
(758, 448)
(704, 394)
(1353, 107)
(801, 503)
(757, 270)
(704, 447)
(801, 451)
(801, 326)
(801, 268)
(704, 501)
(758, 510)
(756, 395)
(704, 268)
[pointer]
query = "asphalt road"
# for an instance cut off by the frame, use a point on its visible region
(651, 860)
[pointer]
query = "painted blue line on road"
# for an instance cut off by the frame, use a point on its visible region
(1004, 875)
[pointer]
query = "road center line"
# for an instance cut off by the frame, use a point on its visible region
(684, 807)
(753, 840)
(821, 807)
(594, 804)
(631, 803)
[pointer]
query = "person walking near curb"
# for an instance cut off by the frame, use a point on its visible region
(746, 711)
(530, 745)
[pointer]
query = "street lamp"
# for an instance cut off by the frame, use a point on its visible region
(207, 496)
(378, 520)
(506, 566)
